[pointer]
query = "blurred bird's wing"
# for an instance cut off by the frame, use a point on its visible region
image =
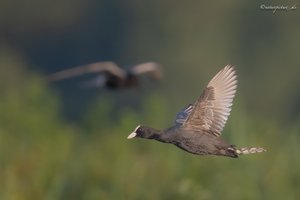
(183, 114)
(152, 69)
(97, 82)
(98, 67)
(211, 110)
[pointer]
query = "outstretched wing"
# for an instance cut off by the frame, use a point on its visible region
(97, 82)
(152, 69)
(98, 67)
(211, 110)
(183, 114)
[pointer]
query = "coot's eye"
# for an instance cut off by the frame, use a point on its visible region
(139, 130)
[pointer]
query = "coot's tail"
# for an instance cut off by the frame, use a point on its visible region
(249, 150)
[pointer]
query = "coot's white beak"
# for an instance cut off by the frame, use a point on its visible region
(132, 135)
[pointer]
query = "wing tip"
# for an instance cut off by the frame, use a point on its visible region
(228, 74)
(229, 68)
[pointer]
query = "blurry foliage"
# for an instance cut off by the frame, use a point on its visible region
(44, 156)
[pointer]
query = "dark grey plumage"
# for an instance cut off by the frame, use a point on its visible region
(198, 127)
(110, 75)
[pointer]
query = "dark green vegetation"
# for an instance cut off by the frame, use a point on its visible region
(46, 154)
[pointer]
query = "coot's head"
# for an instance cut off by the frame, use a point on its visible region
(142, 132)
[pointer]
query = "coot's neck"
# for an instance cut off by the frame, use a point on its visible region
(151, 133)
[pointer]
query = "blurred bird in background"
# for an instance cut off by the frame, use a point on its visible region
(110, 75)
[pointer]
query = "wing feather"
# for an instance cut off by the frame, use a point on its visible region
(183, 114)
(211, 110)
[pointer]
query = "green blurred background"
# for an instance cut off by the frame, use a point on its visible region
(58, 141)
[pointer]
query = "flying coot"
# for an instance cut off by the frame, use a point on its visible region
(110, 75)
(198, 126)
